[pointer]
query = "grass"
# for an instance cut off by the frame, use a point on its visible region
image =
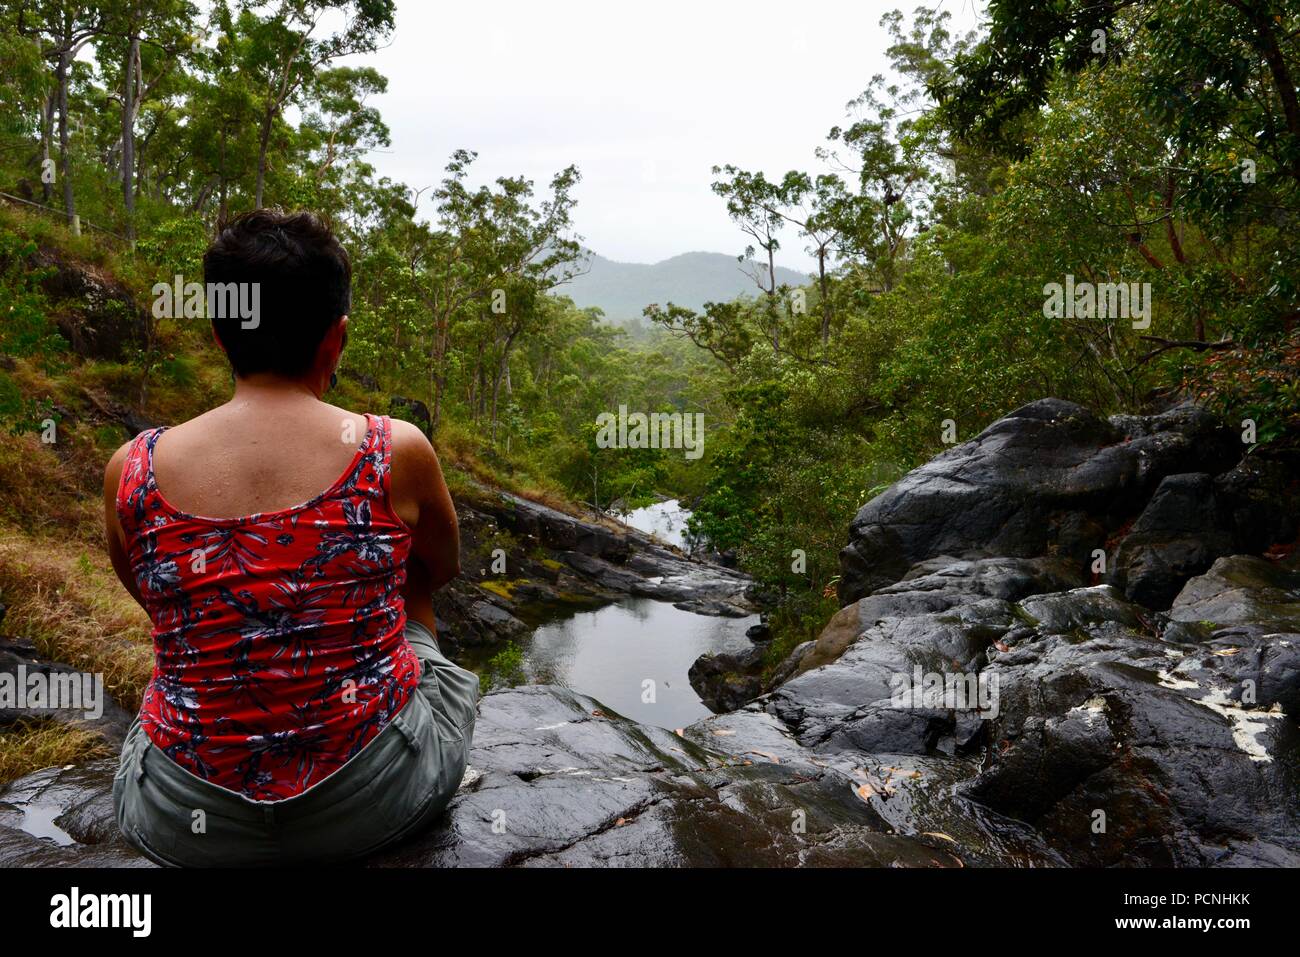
(46, 743)
(67, 601)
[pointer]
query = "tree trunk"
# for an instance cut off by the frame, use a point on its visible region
(263, 146)
(65, 159)
(128, 134)
(47, 136)
(826, 301)
(224, 206)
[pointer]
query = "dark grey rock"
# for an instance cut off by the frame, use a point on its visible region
(1179, 534)
(19, 659)
(1049, 477)
(555, 779)
(96, 314)
(1242, 589)
(728, 681)
(1262, 501)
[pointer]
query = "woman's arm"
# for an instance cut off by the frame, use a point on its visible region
(113, 528)
(418, 495)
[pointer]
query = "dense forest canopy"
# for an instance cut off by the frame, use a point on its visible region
(1071, 150)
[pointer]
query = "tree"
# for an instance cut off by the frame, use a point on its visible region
(61, 28)
(492, 243)
(283, 54)
(162, 27)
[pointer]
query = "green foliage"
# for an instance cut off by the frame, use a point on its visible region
(505, 669)
(25, 325)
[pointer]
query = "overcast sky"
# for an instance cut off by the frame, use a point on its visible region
(644, 98)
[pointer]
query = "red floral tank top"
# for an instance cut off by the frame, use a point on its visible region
(279, 638)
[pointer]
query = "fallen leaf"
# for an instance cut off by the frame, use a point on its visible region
(1225, 652)
(771, 757)
(723, 732)
(620, 822)
(1001, 646)
(939, 834)
(866, 792)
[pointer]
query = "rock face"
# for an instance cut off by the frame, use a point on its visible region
(725, 682)
(1110, 737)
(552, 560)
(96, 314)
(1050, 478)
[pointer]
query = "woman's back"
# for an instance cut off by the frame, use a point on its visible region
(269, 556)
(287, 552)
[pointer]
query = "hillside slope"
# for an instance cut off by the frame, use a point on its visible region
(622, 290)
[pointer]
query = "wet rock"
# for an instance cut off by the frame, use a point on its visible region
(728, 681)
(1186, 747)
(556, 530)
(497, 621)
(1121, 751)
(1070, 612)
(937, 585)
(62, 817)
(1049, 477)
(79, 705)
(1243, 589)
(1262, 500)
(789, 667)
(713, 606)
(556, 779)
(1179, 534)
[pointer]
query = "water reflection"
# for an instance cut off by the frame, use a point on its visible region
(665, 520)
(613, 652)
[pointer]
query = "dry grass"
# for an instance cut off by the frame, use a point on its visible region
(46, 743)
(68, 602)
(49, 488)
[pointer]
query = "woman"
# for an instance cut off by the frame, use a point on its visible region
(286, 551)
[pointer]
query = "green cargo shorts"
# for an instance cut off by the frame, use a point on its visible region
(397, 785)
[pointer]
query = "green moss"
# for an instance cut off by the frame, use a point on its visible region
(504, 588)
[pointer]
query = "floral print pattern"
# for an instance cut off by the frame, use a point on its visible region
(279, 638)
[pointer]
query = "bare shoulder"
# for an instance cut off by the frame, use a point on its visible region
(410, 443)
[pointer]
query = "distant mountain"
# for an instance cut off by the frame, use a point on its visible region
(622, 290)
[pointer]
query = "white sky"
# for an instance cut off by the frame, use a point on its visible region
(644, 98)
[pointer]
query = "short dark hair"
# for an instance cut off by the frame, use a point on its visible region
(304, 282)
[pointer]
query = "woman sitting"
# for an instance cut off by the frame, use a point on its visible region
(286, 551)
